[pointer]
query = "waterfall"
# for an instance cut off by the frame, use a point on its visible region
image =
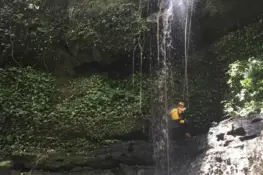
(172, 13)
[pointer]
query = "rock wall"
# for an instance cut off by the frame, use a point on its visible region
(125, 158)
(215, 18)
(234, 147)
(130, 157)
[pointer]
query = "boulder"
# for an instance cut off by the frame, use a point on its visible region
(127, 153)
(217, 152)
(239, 152)
(237, 132)
(123, 170)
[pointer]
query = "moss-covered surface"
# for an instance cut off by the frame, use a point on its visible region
(5, 164)
(242, 51)
(83, 114)
(206, 89)
(99, 25)
(213, 88)
(107, 157)
(84, 31)
(240, 44)
(217, 18)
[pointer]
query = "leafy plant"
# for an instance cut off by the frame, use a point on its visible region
(28, 31)
(99, 108)
(34, 31)
(85, 113)
(26, 98)
(215, 87)
(241, 52)
(100, 24)
(246, 86)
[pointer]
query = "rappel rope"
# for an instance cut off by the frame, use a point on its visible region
(188, 23)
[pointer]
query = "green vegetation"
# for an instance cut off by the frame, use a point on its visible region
(103, 21)
(240, 54)
(58, 36)
(241, 44)
(5, 164)
(36, 33)
(206, 89)
(88, 111)
(227, 76)
(96, 101)
(26, 99)
(246, 87)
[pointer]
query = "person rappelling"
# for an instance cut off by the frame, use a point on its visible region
(176, 116)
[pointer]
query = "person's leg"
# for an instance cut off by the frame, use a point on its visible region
(177, 130)
(186, 130)
(172, 128)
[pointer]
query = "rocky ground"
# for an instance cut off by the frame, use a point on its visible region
(232, 146)
(130, 157)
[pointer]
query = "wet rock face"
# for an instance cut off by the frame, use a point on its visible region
(237, 132)
(130, 156)
(217, 17)
(129, 170)
(125, 158)
(235, 148)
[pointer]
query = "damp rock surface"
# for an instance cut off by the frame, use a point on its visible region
(239, 152)
(233, 146)
(126, 158)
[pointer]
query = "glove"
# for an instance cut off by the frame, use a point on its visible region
(182, 121)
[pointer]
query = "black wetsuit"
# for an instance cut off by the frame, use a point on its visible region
(179, 129)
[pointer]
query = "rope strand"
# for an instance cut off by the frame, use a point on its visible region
(188, 23)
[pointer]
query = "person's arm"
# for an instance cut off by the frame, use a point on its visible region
(182, 121)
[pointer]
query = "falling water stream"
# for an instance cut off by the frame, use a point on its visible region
(169, 12)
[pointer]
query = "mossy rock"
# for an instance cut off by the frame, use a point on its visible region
(104, 158)
(87, 112)
(6, 164)
(208, 72)
(217, 18)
